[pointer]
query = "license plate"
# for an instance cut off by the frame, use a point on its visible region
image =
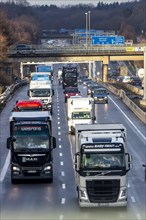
(103, 204)
(31, 171)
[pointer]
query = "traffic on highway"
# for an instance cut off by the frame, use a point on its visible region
(75, 155)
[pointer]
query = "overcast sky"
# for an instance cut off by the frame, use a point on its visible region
(69, 2)
(72, 2)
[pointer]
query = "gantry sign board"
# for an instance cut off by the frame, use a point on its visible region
(108, 40)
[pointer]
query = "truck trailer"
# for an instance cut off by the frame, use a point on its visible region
(31, 144)
(101, 164)
(80, 110)
(42, 90)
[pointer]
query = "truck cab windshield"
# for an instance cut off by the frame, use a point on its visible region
(31, 137)
(81, 115)
(105, 161)
(40, 92)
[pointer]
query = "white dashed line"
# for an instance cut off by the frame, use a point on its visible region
(59, 139)
(63, 201)
(58, 117)
(58, 122)
(62, 173)
(61, 163)
(59, 128)
(61, 217)
(59, 133)
(138, 216)
(60, 154)
(60, 146)
(63, 186)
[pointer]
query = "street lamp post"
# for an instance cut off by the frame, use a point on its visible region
(89, 12)
(86, 28)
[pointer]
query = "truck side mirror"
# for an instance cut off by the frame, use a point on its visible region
(128, 161)
(53, 142)
(28, 92)
(94, 118)
(76, 161)
(9, 142)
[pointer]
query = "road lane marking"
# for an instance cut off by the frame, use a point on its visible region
(60, 154)
(60, 146)
(63, 186)
(63, 201)
(59, 128)
(62, 173)
(138, 216)
(61, 163)
(59, 133)
(58, 122)
(128, 119)
(61, 217)
(59, 139)
(132, 198)
(5, 167)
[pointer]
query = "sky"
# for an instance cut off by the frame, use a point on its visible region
(69, 2)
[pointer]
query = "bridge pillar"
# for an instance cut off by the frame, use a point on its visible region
(105, 72)
(21, 70)
(90, 70)
(105, 69)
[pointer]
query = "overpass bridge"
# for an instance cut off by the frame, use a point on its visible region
(77, 53)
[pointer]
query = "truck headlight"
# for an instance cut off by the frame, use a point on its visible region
(47, 168)
(83, 194)
(123, 193)
(15, 168)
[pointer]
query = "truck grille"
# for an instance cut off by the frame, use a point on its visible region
(103, 191)
(31, 171)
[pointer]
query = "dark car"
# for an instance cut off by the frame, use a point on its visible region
(100, 95)
(93, 88)
(81, 78)
(135, 81)
(85, 81)
(71, 91)
(23, 49)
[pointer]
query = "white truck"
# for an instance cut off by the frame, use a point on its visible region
(101, 164)
(42, 90)
(80, 110)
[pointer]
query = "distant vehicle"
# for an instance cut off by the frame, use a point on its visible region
(81, 78)
(85, 81)
(23, 48)
(100, 95)
(92, 88)
(69, 75)
(124, 79)
(28, 105)
(71, 91)
(135, 81)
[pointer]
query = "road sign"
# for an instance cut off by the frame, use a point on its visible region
(111, 40)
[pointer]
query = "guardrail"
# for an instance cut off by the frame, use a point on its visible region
(4, 97)
(134, 108)
(75, 49)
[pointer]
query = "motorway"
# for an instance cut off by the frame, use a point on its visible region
(58, 200)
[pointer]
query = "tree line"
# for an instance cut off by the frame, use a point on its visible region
(22, 23)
